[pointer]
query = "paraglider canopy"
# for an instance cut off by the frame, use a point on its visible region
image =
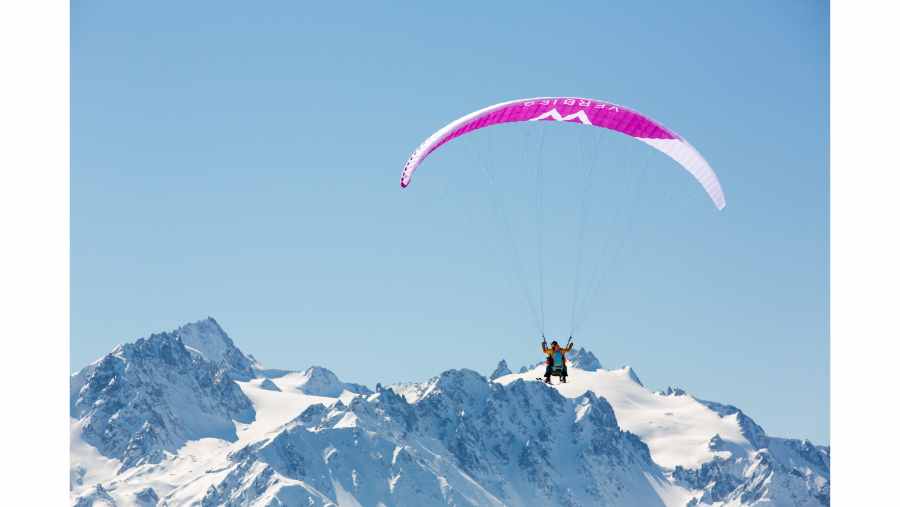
(589, 112)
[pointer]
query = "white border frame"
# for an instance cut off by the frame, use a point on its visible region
(34, 252)
(864, 252)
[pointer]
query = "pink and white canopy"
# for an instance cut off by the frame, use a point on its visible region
(577, 110)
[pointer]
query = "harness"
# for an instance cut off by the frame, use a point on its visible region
(557, 359)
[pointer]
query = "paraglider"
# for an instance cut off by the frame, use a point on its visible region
(579, 111)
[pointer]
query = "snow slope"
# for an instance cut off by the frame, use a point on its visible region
(676, 428)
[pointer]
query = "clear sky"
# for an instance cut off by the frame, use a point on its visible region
(241, 160)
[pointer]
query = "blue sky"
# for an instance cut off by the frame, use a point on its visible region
(242, 161)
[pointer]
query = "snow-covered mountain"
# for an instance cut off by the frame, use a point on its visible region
(146, 399)
(186, 418)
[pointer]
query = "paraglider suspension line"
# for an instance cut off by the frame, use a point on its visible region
(589, 160)
(500, 214)
(540, 224)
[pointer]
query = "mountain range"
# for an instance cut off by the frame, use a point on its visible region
(187, 418)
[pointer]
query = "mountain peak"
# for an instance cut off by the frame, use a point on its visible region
(319, 381)
(501, 370)
(268, 385)
(583, 359)
(633, 375)
(749, 429)
(672, 391)
(461, 382)
(207, 338)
